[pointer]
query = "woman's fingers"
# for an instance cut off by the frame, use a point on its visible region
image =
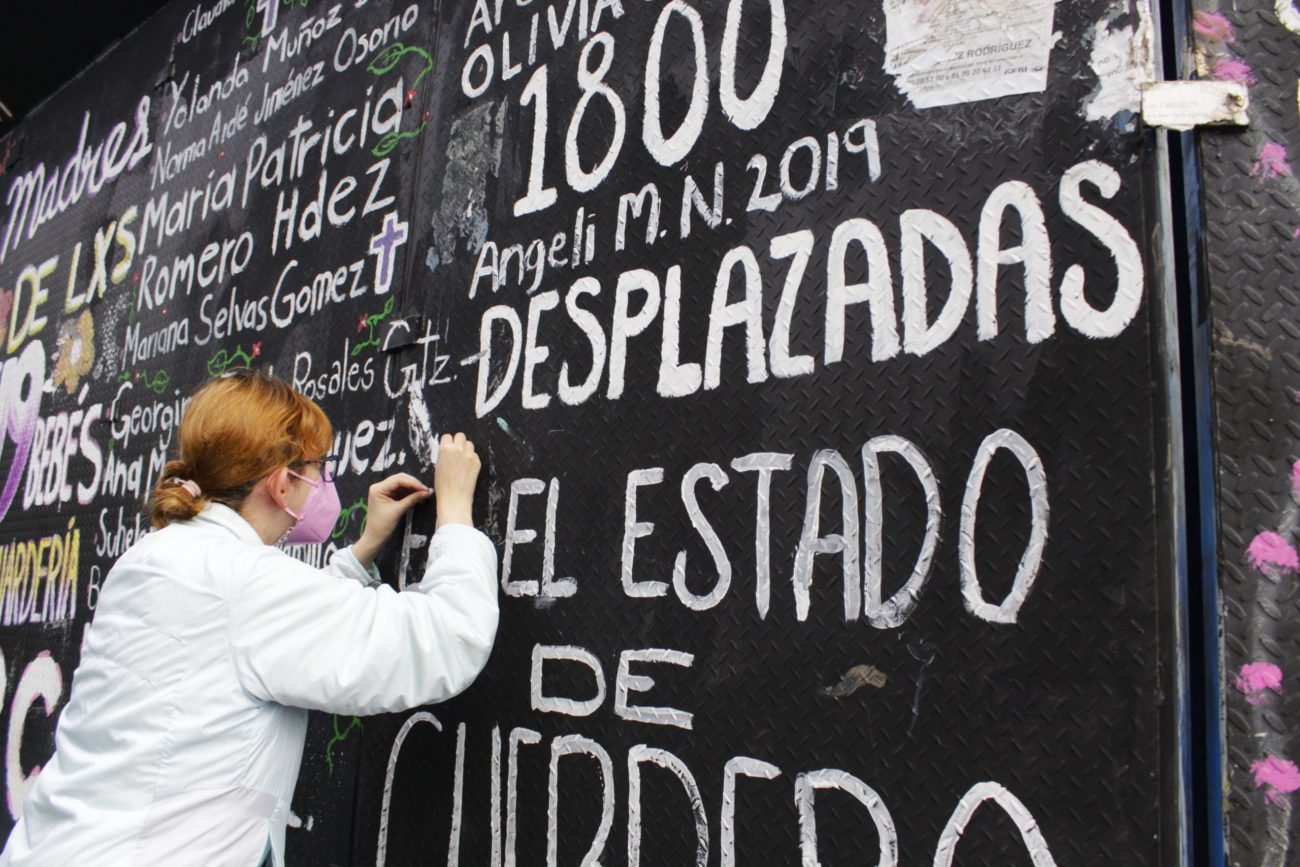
(454, 480)
(456, 442)
(408, 479)
(414, 498)
(395, 484)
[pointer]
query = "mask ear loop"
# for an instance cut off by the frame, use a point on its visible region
(296, 518)
(315, 483)
(292, 514)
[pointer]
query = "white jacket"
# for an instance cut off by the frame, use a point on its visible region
(182, 737)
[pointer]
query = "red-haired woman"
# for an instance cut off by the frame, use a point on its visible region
(181, 740)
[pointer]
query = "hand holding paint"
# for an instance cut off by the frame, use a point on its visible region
(454, 479)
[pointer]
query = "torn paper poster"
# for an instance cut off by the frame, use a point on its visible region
(943, 52)
(1184, 105)
(1123, 57)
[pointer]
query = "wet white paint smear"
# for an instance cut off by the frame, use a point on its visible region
(943, 52)
(1123, 59)
(423, 441)
(1288, 14)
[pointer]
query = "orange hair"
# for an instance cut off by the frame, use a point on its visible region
(237, 430)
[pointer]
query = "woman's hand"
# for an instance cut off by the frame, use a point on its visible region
(389, 501)
(454, 479)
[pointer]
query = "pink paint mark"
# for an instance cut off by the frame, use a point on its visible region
(1278, 776)
(1229, 69)
(1214, 27)
(1271, 163)
(1295, 478)
(1271, 550)
(1256, 678)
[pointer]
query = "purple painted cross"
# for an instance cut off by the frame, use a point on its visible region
(384, 246)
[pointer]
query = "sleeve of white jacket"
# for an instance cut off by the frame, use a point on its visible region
(301, 637)
(344, 564)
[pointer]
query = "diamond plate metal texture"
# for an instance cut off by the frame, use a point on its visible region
(1064, 709)
(1068, 708)
(1250, 200)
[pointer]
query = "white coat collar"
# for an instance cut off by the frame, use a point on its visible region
(227, 518)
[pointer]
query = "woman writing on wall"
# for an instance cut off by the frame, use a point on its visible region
(183, 733)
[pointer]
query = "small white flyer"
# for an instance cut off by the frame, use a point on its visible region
(944, 52)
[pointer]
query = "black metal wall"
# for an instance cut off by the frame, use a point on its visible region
(816, 351)
(1247, 271)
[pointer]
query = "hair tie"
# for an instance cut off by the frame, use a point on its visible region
(192, 487)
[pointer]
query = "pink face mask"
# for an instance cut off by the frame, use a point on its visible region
(318, 515)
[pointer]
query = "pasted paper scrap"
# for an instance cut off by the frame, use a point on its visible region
(944, 52)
